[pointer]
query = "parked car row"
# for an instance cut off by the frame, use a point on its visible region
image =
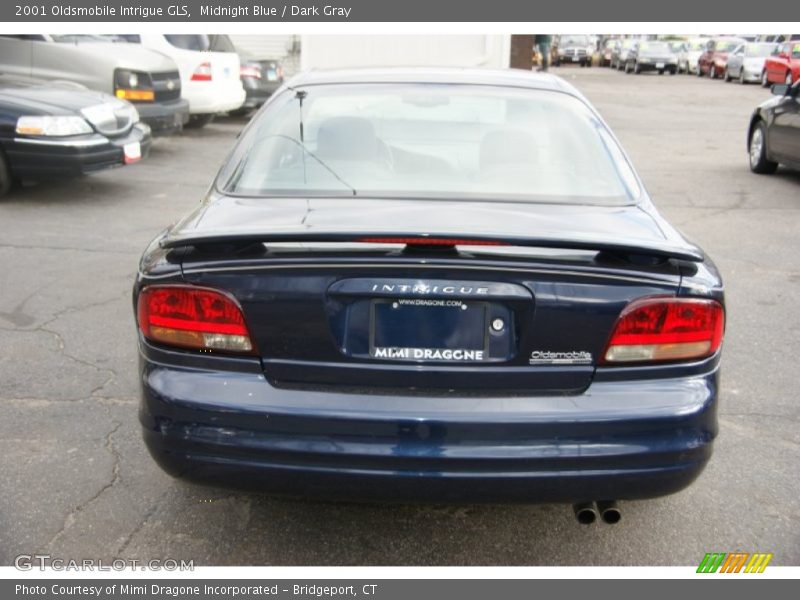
(74, 104)
(773, 135)
(725, 57)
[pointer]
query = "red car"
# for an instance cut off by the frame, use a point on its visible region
(714, 60)
(783, 66)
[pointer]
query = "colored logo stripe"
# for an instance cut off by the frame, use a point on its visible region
(758, 563)
(734, 562)
(711, 562)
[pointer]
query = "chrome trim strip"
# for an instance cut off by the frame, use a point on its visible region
(62, 143)
(665, 279)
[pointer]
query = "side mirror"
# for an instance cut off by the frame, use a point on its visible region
(780, 89)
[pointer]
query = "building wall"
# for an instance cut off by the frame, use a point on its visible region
(343, 51)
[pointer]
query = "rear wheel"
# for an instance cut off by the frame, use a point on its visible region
(198, 121)
(5, 175)
(758, 151)
(661, 71)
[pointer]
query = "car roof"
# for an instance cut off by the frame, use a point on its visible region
(516, 78)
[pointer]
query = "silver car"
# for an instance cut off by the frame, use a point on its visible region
(746, 63)
(148, 79)
(689, 53)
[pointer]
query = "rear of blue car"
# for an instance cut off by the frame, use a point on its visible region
(340, 346)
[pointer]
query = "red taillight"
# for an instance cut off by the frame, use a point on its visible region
(664, 329)
(425, 241)
(250, 72)
(192, 317)
(202, 72)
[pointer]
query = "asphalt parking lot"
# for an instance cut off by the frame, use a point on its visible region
(78, 483)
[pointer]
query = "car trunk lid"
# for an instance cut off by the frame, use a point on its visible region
(331, 304)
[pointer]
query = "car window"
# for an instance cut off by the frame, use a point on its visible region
(726, 45)
(188, 42)
(654, 47)
(74, 38)
(27, 38)
(574, 40)
(758, 50)
(431, 141)
(796, 51)
(220, 43)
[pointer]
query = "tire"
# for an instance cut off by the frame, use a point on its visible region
(788, 80)
(661, 71)
(764, 79)
(757, 151)
(198, 121)
(5, 175)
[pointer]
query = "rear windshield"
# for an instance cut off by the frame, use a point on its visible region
(220, 43)
(189, 42)
(430, 141)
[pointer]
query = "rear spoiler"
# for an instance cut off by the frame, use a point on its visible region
(663, 250)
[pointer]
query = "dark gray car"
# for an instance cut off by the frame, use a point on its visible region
(652, 56)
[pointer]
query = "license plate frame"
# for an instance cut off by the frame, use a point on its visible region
(436, 353)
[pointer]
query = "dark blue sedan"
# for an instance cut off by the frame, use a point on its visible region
(430, 285)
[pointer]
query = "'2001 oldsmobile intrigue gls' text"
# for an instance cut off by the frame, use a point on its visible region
(430, 285)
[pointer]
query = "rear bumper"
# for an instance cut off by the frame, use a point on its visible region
(618, 440)
(55, 158)
(164, 118)
(210, 98)
(653, 66)
(258, 92)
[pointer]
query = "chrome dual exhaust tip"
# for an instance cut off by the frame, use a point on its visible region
(587, 512)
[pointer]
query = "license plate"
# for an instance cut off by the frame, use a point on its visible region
(132, 152)
(272, 75)
(659, 65)
(428, 330)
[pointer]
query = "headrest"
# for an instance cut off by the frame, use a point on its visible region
(507, 147)
(347, 138)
